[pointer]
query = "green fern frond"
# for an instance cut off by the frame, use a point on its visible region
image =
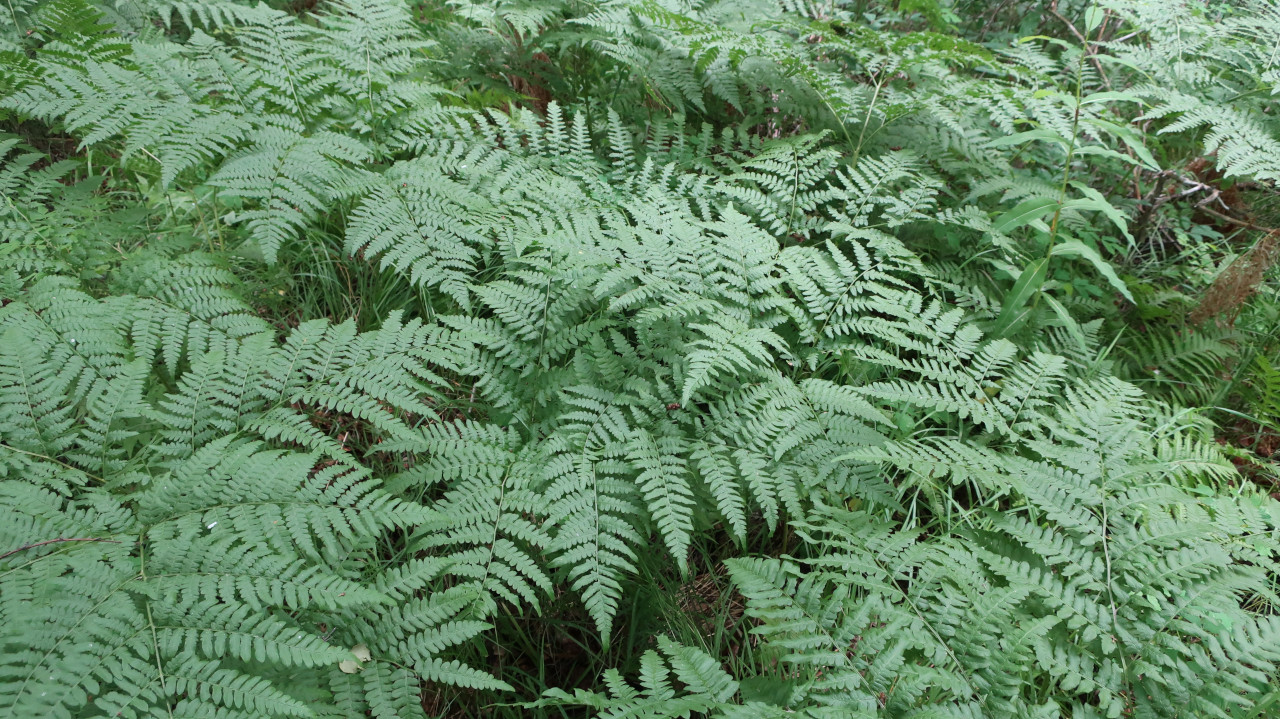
(291, 177)
(1267, 392)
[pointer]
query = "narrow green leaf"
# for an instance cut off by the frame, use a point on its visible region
(1109, 96)
(1024, 213)
(1095, 201)
(1069, 322)
(1013, 313)
(1020, 137)
(1129, 138)
(1075, 248)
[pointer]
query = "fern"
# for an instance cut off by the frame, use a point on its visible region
(292, 177)
(483, 520)
(1177, 364)
(205, 546)
(362, 358)
(1078, 590)
(1267, 391)
(707, 686)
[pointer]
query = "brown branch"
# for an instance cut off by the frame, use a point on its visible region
(1241, 223)
(1194, 187)
(1149, 208)
(55, 541)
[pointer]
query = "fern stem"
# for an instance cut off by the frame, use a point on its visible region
(51, 459)
(866, 120)
(151, 624)
(795, 191)
(33, 545)
(1106, 556)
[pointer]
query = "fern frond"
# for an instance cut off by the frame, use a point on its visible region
(291, 177)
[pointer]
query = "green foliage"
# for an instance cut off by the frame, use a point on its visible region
(1267, 398)
(371, 358)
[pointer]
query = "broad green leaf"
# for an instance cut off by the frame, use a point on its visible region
(1093, 17)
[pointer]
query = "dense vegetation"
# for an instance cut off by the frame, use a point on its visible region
(639, 358)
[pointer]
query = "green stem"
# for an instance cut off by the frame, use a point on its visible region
(1066, 169)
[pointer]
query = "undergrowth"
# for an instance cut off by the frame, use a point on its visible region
(618, 358)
